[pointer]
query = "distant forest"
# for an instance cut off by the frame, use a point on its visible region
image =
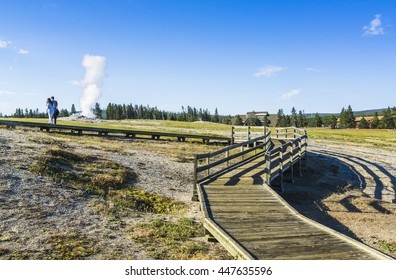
(130, 111)
(386, 119)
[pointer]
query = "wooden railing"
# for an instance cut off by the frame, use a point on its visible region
(220, 161)
(277, 160)
(283, 158)
(241, 133)
(289, 132)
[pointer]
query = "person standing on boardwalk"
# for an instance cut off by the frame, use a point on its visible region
(50, 110)
(56, 111)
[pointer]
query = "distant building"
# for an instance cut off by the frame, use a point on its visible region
(259, 115)
(368, 119)
(358, 120)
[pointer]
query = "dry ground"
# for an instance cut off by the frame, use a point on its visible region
(350, 189)
(43, 219)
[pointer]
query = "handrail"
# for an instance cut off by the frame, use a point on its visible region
(291, 130)
(248, 131)
(253, 145)
(284, 157)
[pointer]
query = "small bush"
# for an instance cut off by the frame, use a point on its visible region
(171, 240)
(71, 246)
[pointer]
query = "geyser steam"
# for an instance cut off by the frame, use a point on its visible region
(92, 83)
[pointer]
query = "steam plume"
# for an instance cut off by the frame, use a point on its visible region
(92, 82)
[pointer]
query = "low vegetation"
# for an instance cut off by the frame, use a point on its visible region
(174, 240)
(97, 176)
(387, 246)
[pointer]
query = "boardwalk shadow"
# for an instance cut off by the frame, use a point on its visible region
(368, 168)
(326, 173)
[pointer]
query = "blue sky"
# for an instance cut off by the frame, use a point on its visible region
(238, 56)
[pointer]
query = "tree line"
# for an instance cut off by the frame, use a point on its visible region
(129, 111)
(345, 119)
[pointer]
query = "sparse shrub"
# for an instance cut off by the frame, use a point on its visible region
(71, 246)
(172, 240)
(94, 175)
(388, 246)
(143, 201)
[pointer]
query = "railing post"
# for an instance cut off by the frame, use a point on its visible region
(281, 167)
(268, 167)
(232, 135)
(299, 156)
(248, 133)
(195, 191)
(227, 155)
(207, 163)
(292, 162)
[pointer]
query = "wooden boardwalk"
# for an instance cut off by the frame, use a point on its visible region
(134, 134)
(253, 222)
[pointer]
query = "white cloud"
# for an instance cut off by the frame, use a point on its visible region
(6, 92)
(23, 51)
(374, 28)
(4, 44)
(75, 83)
(310, 69)
(268, 71)
(290, 94)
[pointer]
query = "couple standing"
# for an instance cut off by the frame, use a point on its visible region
(52, 109)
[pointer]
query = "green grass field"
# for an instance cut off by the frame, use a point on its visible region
(369, 137)
(380, 138)
(205, 128)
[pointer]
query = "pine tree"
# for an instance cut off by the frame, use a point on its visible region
(238, 120)
(333, 121)
(363, 124)
(318, 121)
(293, 118)
(97, 111)
(254, 121)
(266, 121)
(73, 109)
(375, 122)
(350, 118)
(301, 119)
(216, 116)
(387, 121)
(280, 122)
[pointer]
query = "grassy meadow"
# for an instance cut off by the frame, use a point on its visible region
(380, 138)
(205, 128)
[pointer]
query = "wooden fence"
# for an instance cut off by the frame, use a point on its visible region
(283, 158)
(212, 164)
(241, 133)
(277, 160)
